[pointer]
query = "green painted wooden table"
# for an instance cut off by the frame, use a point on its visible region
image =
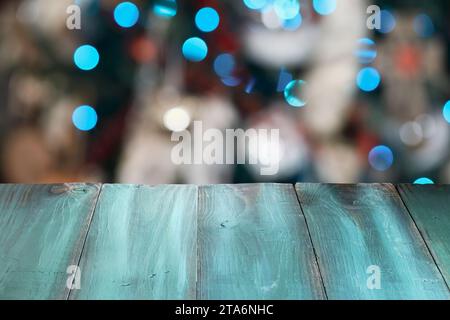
(254, 241)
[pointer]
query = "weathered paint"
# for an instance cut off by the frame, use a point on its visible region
(254, 244)
(141, 244)
(42, 230)
(224, 241)
(354, 227)
(430, 207)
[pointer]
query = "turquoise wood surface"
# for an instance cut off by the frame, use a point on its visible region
(254, 244)
(355, 227)
(429, 206)
(141, 244)
(224, 241)
(42, 230)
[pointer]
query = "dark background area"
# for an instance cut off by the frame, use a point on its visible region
(142, 74)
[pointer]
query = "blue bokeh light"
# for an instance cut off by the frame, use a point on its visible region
(195, 49)
(126, 14)
(366, 52)
(86, 57)
(368, 79)
(324, 7)
(250, 85)
(381, 158)
(446, 111)
(284, 78)
(424, 180)
(84, 118)
(423, 26)
(286, 9)
(294, 23)
(388, 21)
(256, 4)
(224, 64)
(165, 8)
(207, 19)
(231, 81)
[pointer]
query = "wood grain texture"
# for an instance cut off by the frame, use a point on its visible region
(254, 244)
(429, 206)
(356, 226)
(141, 244)
(42, 230)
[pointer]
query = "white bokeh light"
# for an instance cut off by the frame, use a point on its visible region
(177, 119)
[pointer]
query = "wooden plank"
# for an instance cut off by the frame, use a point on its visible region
(430, 207)
(141, 244)
(42, 230)
(354, 227)
(254, 244)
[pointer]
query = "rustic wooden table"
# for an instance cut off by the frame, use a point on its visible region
(258, 241)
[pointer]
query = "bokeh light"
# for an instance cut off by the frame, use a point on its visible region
(428, 125)
(324, 7)
(270, 19)
(176, 119)
(284, 78)
(165, 8)
(446, 111)
(195, 49)
(366, 52)
(126, 14)
(84, 118)
(256, 4)
(381, 158)
(294, 23)
(231, 81)
(424, 180)
(86, 57)
(411, 134)
(423, 26)
(286, 9)
(368, 79)
(250, 85)
(294, 93)
(207, 19)
(388, 21)
(224, 64)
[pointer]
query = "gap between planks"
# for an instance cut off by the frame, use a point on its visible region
(422, 236)
(312, 244)
(88, 228)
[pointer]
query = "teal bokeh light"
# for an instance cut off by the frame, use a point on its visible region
(446, 111)
(286, 9)
(84, 118)
(256, 4)
(324, 7)
(86, 57)
(165, 8)
(424, 180)
(207, 19)
(368, 79)
(294, 93)
(126, 14)
(195, 49)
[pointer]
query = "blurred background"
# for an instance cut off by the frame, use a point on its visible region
(352, 104)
